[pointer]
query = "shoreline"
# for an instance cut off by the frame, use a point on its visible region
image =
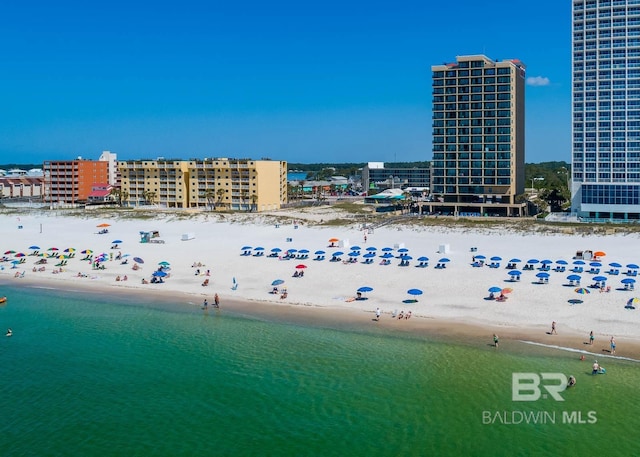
(230, 256)
(528, 340)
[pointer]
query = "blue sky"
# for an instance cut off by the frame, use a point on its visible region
(332, 81)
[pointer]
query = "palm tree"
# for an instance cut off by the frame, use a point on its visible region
(116, 194)
(210, 195)
(220, 195)
(254, 201)
(320, 197)
(124, 196)
(244, 194)
(149, 196)
(406, 200)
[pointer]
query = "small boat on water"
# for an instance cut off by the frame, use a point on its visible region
(3, 299)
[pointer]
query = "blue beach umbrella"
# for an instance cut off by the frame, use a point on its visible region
(406, 257)
(160, 274)
(514, 260)
(600, 278)
(246, 248)
(138, 260)
(496, 258)
(444, 260)
(34, 247)
(542, 274)
(561, 262)
(514, 273)
(354, 254)
(276, 250)
(116, 242)
(533, 261)
(615, 265)
(386, 255)
(277, 282)
(632, 266)
(303, 251)
(259, 248)
(387, 249)
(365, 289)
(628, 281)
(291, 251)
(403, 250)
(495, 289)
(574, 277)
(369, 255)
(423, 259)
(356, 248)
(595, 264)
(372, 248)
(579, 262)
(414, 292)
(319, 252)
(546, 262)
(337, 253)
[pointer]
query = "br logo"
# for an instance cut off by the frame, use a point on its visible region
(527, 386)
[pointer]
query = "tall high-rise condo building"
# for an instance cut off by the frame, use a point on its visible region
(478, 136)
(605, 158)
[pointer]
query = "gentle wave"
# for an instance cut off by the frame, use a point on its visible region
(579, 351)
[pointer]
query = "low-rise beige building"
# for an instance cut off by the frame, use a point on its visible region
(235, 184)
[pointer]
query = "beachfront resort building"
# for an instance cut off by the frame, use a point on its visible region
(222, 183)
(377, 177)
(478, 126)
(21, 186)
(605, 184)
(71, 181)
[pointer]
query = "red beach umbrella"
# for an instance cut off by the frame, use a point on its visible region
(301, 266)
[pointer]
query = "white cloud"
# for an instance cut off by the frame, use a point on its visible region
(538, 81)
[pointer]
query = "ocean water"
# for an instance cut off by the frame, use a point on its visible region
(102, 376)
(296, 176)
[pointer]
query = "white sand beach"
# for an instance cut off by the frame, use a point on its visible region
(455, 294)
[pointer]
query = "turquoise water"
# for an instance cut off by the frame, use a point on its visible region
(296, 176)
(100, 376)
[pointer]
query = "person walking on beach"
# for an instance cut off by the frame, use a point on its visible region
(495, 340)
(553, 328)
(377, 314)
(205, 304)
(216, 301)
(612, 342)
(591, 338)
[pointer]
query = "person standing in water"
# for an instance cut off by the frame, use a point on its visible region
(591, 338)
(613, 345)
(216, 301)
